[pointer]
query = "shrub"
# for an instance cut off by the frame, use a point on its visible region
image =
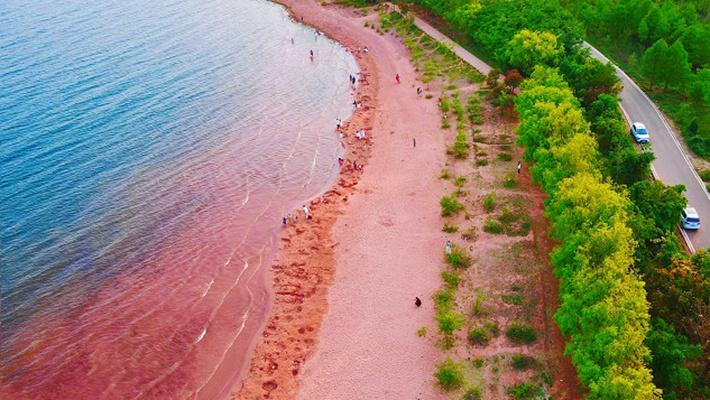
(492, 328)
(479, 138)
(489, 202)
(472, 394)
(451, 279)
(444, 104)
(510, 181)
(449, 321)
(460, 181)
(704, 175)
(421, 332)
(450, 206)
(481, 162)
(449, 374)
(523, 391)
(492, 226)
(445, 174)
(444, 299)
(521, 361)
(478, 362)
(478, 308)
(504, 157)
(445, 124)
(515, 299)
(428, 96)
(478, 337)
(520, 333)
(459, 257)
(460, 147)
(449, 228)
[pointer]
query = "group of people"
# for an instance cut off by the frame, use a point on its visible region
(294, 217)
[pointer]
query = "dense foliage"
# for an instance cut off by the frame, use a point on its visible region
(667, 44)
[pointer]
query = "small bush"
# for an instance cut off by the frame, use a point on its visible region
(504, 157)
(450, 228)
(492, 328)
(428, 96)
(479, 138)
(460, 181)
(472, 394)
(445, 124)
(515, 299)
(524, 391)
(478, 362)
(452, 280)
(489, 202)
(450, 206)
(469, 234)
(444, 300)
(459, 257)
(520, 333)
(449, 321)
(510, 181)
(478, 308)
(421, 332)
(449, 374)
(492, 226)
(444, 104)
(481, 162)
(445, 174)
(704, 175)
(460, 147)
(521, 361)
(478, 337)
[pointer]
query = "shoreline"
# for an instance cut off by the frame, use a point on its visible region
(303, 266)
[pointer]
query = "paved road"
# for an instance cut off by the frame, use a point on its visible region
(671, 164)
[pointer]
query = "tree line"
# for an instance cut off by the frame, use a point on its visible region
(633, 303)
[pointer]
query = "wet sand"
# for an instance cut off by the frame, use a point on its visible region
(343, 323)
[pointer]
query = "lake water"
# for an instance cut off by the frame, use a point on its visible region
(148, 150)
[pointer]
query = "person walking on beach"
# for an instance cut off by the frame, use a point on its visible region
(307, 212)
(311, 55)
(396, 77)
(284, 221)
(519, 167)
(419, 91)
(414, 143)
(448, 247)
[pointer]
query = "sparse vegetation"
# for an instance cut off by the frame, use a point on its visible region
(449, 374)
(492, 226)
(489, 202)
(524, 391)
(459, 257)
(450, 228)
(445, 174)
(421, 332)
(478, 337)
(451, 279)
(505, 157)
(472, 394)
(521, 361)
(450, 205)
(520, 333)
(469, 233)
(515, 299)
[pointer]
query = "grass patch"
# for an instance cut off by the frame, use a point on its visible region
(449, 374)
(521, 361)
(459, 257)
(460, 181)
(492, 226)
(449, 228)
(452, 280)
(510, 181)
(481, 162)
(450, 205)
(474, 110)
(460, 147)
(520, 333)
(492, 328)
(421, 332)
(478, 337)
(445, 124)
(444, 300)
(479, 138)
(704, 175)
(505, 157)
(449, 321)
(525, 391)
(514, 299)
(489, 202)
(478, 308)
(515, 223)
(478, 362)
(445, 174)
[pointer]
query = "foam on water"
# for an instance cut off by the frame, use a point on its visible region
(148, 150)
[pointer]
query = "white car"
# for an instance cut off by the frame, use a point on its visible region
(690, 219)
(640, 133)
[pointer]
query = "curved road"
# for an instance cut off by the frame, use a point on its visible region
(671, 165)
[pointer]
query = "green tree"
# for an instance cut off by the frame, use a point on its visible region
(696, 39)
(654, 64)
(677, 65)
(528, 48)
(653, 26)
(670, 352)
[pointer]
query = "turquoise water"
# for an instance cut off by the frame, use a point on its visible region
(148, 150)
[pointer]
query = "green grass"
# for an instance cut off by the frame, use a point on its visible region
(479, 138)
(705, 175)
(524, 391)
(510, 181)
(449, 374)
(444, 299)
(450, 206)
(514, 299)
(459, 257)
(449, 321)
(521, 362)
(520, 333)
(452, 280)
(460, 147)
(460, 181)
(481, 162)
(492, 226)
(473, 393)
(489, 202)
(505, 157)
(445, 124)
(478, 337)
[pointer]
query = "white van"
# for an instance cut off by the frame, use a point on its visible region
(690, 219)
